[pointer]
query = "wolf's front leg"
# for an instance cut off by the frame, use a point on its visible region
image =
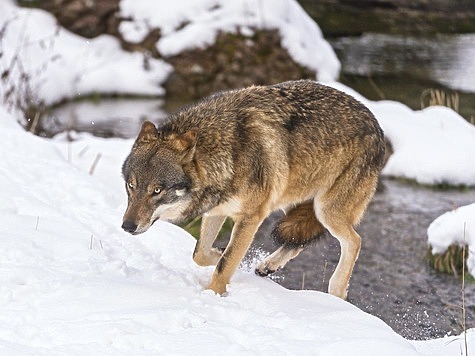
(205, 254)
(241, 238)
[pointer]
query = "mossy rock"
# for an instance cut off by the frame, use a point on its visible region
(235, 60)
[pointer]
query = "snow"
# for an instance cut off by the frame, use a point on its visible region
(33, 44)
(189, 24)
(431, 146)
(455, 227)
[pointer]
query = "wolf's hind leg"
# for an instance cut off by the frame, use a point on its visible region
(205, 254)
(277, 260)
(340, 209)
(295, 230)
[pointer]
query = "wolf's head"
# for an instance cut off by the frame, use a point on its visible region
(156, 178)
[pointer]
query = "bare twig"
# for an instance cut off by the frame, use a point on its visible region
(324, 272)
(35, 122)
(94, 164)
(464, 315)
(70, 152)
(83, 151)
(376, 88)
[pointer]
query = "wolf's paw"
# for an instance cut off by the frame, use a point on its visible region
(208, 259)
(264, 271)
(218, 288)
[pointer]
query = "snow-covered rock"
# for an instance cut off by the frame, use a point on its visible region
(189, 24)
(455, 227)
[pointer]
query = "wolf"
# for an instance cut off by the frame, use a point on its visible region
(299, 146)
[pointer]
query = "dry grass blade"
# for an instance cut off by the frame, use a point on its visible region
(434, 97)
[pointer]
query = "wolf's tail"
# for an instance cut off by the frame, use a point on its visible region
(298, 227)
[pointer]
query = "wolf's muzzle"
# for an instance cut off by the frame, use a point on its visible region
(129, 226)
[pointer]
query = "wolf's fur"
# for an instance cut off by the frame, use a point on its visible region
(299, 146)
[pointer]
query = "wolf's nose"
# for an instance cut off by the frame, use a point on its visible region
(129, 226)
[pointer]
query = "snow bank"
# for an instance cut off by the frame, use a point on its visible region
(455, 227)
(188, 24)
(431, 146)
(33, 44)
(71, 282)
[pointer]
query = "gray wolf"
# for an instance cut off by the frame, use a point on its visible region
(299, 146)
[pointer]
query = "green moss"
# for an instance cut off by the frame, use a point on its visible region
(444, 186)
(193, 227)
(30, 3)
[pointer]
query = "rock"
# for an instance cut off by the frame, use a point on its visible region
(233, 61)
(87, 18)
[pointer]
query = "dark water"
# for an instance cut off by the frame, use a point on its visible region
(104, 118)
(406, 68)
(391, 279)
(448, 60)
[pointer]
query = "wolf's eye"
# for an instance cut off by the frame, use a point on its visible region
(157, 191)
(130, 185)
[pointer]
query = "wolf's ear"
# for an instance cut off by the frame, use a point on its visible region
(185, 143)
(147, 134)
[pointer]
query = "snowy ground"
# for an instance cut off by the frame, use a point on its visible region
(73, 283)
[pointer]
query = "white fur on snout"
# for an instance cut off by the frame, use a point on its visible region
(170, 212)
